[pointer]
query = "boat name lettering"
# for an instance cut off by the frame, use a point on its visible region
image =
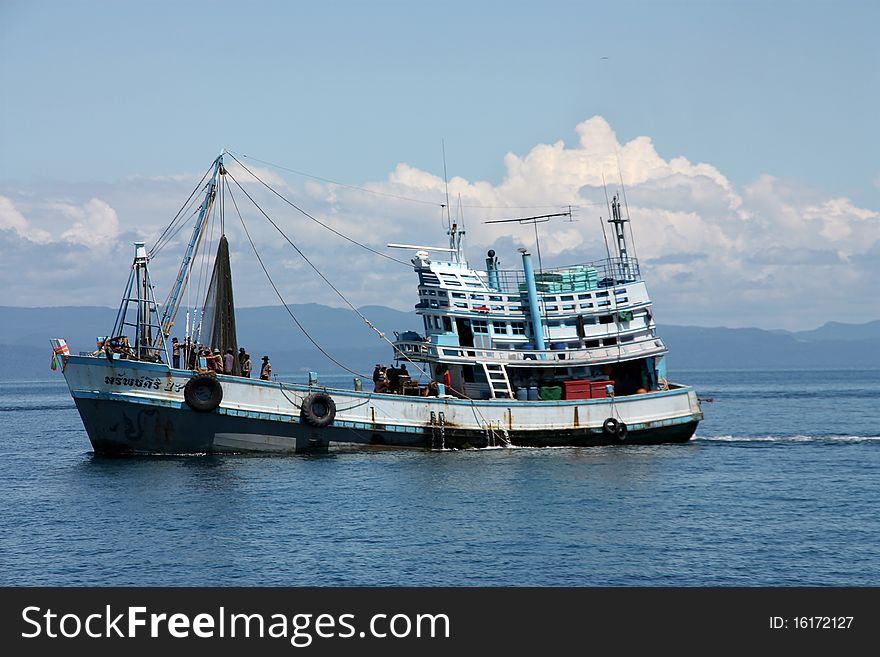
(143, 382)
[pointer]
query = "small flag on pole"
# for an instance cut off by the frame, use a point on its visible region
(59, 348)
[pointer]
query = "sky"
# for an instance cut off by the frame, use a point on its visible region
(745, 135)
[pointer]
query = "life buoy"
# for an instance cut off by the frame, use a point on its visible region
(318, 409)
(203, 393)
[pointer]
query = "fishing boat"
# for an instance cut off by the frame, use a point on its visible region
(527, 357)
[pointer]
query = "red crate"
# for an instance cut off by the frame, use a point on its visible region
(597, 389)
(576, 389)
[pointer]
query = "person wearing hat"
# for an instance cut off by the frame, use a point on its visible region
(246, 365)
(266, 369)
(217, 361)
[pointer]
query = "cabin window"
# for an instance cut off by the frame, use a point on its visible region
(425, 319)
(585, 296)
(518, 328)
(586, 305)
(433, 293)
(495, 298)
(499, 328)
(467, 373)
(606, 319)
(566, 298)
(447, 324)
(610, 342)
(479, 297)
(459, 304)
(459, 295)
(480, 326)
(568, 306)
(601, 294)
(441, 293)
(551, 308)
(627, 338)
(436, 322)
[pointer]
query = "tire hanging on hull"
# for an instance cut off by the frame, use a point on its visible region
(203, 393)
(318, 409)
(614, 427)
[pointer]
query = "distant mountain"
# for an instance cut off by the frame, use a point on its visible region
(839, 331)
(693, 347)
(269, 330)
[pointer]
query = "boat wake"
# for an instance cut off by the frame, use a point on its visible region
(788, 439)
(35, 407)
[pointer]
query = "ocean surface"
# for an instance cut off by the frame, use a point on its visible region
(780, 487)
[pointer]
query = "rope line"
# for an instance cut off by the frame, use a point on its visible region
(278, 292)
(317, 221)
(406, 198)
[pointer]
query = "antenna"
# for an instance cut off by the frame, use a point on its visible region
(626, 207)
(446, 181)
(539, 219)
(608, 205)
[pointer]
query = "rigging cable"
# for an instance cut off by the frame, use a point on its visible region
(398, 196)
(317, 221)
(278, 292)
(156, 247)
(326, 280)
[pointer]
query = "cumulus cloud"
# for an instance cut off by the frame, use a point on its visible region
(95, 224)
(11, 219)
(771, 253)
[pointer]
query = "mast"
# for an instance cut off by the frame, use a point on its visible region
(618, 220)
(138, 291)
(183, 274)
(455, 235)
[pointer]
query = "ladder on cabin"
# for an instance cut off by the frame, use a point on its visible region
(499, 384)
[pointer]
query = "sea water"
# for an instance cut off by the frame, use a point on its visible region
(779, 488)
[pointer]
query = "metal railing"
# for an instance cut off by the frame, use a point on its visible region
(562, 280)
(627, 351)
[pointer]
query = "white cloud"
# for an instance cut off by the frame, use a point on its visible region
(95, 224)
(12, 219)
(771, 253)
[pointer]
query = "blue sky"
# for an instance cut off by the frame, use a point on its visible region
(98, 93)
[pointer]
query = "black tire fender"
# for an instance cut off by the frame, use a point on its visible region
(622, 431)
(318, 409)
(203, 393)
(610, 426)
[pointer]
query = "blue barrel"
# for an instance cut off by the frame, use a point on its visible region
(522, 394)
(441, 389)
(533, 394)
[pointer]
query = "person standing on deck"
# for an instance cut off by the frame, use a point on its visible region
(266, 369)
(246, 365)
(175, 353)
(228, 362)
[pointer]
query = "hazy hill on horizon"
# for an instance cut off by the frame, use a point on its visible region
(269, 330)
